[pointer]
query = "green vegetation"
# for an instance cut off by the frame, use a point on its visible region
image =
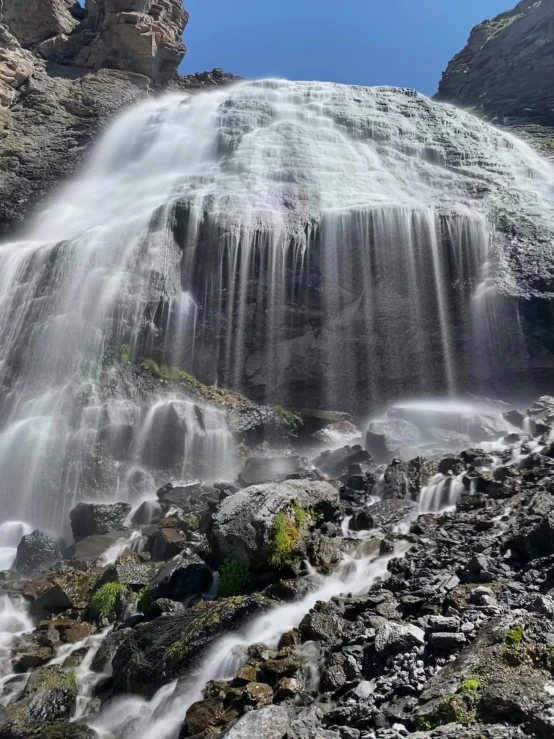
(104, 601)
(514, 636)
(144, 599)
(172, 374)
(423, 724)
(286, 414)
(550, 143)
(515, 652)
(234, 578)
(125, 355)
(285, 532)
(460, 707)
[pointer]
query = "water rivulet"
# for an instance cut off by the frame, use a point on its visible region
(300, 241)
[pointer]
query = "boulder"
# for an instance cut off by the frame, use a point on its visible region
(387, 513)
(242, 527)
(89, 519)
(336, 463)
(398, 637)
(16, 66)
(272, 469)
(66, 588)
(48, 698)
(157, 651)
(271, 722)
(192, 499)
(181, 578)
(36, 551)
(404, 480)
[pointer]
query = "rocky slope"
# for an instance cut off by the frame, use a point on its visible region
(405, 623)
(65, 72)
(505, 71)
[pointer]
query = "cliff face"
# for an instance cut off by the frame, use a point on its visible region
(65, 72)
(506, 71)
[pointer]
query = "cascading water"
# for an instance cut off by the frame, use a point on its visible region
(303, 241)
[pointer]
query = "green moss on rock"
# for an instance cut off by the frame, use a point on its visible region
(284, 413)
(105, 600)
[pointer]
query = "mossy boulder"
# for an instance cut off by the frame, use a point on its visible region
(486, 685)
(48, 698)
(66, 588)
(158, 651)
(270, 524)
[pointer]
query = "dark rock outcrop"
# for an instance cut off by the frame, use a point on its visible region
(65, 73)
(90, 519)
(506, 69)
(36, 550)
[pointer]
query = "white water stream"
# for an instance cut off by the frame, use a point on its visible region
(281, 234)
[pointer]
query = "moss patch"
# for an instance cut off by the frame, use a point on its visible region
(212, 393)
(515, 652)
(125, 355)
(104, 601)
(285, 532)
(285, 413)
(234, 578)
(550, 143)
(144, 599)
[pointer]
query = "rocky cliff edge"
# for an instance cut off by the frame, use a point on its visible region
(65, 72)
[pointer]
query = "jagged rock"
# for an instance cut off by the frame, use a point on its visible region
(405, 479)
(181, 578)
(202, 81)
(241, 527)
(398, 637)
(68, 630)
(16, 66)
(90, 519)
(505, 70)
(166, 648)
(386, 513)
(336, 463)
(134, 575)
(146, 513)
(59, 591)
(48, 698)
(33, 657)
(36, 551)
(271, 722)
(446, 640)
(322, 624)
(272, 469)
(33, 21)
(194, 498)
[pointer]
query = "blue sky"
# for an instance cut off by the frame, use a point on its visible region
(368, 42)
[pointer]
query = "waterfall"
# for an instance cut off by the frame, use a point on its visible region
(307, 243)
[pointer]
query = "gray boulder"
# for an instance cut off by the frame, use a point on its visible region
(271, 722)
(241, 528)
(35, 551)
(88, 519)
(398, 637)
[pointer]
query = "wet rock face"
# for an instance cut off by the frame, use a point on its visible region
(506, 68)
(36, 550)
(48, 698)
(89, 519)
